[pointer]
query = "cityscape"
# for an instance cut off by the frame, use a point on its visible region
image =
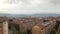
(30, 25)
(29, 16)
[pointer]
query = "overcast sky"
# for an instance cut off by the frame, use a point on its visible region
(29, 6)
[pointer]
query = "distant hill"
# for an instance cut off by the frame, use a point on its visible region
(18, 15)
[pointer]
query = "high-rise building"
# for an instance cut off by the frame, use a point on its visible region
(5, 27)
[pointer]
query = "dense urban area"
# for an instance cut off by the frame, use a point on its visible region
(30, 25)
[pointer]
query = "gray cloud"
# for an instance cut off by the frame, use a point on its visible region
(55, 1)
(30, 6)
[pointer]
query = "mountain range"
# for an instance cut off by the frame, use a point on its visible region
(18, 15)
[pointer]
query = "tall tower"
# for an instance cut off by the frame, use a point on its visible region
(5, 27)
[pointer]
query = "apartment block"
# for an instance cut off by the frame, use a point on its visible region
(44, 27)
(3, 25)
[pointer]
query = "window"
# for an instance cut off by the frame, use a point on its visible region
(0, 22)
(0, 30)
(4, 22)
(0, 26)
(4, 30)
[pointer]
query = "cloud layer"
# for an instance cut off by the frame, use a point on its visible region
(29, 6)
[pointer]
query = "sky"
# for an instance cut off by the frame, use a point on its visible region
(29, 6)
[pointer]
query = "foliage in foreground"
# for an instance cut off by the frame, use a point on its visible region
(58, 32)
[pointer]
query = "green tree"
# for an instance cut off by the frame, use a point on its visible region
(29, 31)
(58, 32)
(14, 31)
(53, 31)
(23, 32)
